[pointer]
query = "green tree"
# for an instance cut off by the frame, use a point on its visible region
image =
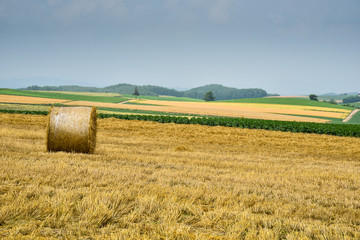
(333, 101)
(209, 96)
(136, 92)
(313, 97)
(351, 99)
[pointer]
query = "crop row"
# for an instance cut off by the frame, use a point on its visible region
(32, 112)
(352, 130)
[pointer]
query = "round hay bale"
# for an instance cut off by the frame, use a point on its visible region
(71, 129)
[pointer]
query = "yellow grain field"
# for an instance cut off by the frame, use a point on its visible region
(164, 181)
(228, 108)
(25, 99)
(220, 109)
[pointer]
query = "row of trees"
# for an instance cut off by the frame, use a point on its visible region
(350, 99)
(221, 92)
(208, 96)
(225, 93)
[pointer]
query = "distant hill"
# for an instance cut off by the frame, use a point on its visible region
(335, 96)
(225, 93)
(221, 92)
(332, 93)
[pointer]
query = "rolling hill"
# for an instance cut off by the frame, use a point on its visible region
(221, 92)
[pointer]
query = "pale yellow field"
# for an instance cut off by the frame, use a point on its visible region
(253, 110)
(258, 107)
(24, 99)
(164, 181)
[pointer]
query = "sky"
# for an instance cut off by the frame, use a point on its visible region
(282, 46)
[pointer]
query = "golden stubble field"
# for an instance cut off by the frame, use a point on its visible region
(164, 181)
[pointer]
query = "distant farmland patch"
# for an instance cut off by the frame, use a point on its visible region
(355, 119)
(27, 99)
(97, 94)
(58, 95)
(281, 109)
(166, 98)
(288, 101)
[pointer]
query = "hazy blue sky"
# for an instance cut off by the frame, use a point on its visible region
(282, 46)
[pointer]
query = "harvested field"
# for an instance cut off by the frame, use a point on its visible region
(24, 99)
(207, 109)
(261, 108)
(165, 181)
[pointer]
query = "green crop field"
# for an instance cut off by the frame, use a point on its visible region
(141, 103)
(335, 97)
(19, 108)
(357, 104)
(24, 107)
(288, 101)
(355, 119)
(350, 130)
(98, 94)
(65, 96)
(166, 98)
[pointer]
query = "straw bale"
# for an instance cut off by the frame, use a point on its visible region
(71, 129)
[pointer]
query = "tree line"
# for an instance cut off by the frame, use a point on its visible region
(220, 92)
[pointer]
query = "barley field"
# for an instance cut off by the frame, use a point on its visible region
(148, 180)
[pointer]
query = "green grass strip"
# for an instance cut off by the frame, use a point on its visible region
(288, 101)
(24, 112)
(166, 98)
(64, 96)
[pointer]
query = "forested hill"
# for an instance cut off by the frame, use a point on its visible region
(220, 92)
(225, 93)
